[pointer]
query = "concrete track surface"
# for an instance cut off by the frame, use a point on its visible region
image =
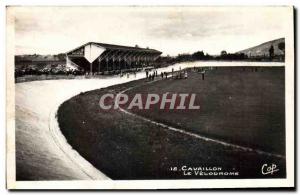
(40, 153)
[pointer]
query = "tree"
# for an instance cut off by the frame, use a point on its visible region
(223, 53)
(199, 55)
(271, 52)
(281, 46)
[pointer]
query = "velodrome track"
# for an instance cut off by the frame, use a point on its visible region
(41, 151)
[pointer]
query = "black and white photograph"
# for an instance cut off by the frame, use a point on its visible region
(149, 97)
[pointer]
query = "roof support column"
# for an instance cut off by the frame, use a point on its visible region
(130, 58)
(146, 59)
(143, 58)
(113, 62)
(99, 63)
(107, 58)
(125, 56)
(103, 56)
(91, 68)
(121, 56)
(115, 57)
(134, 59)
(138, 59)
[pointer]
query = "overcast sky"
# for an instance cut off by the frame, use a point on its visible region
(52, 30)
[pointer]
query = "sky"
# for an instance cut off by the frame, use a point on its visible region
(172, 30)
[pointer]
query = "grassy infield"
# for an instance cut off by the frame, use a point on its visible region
(238, 105)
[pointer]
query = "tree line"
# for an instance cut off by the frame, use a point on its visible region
(223, 56)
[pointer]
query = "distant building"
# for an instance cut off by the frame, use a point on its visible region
(99, 57)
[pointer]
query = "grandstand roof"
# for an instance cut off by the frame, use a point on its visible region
(119, 47)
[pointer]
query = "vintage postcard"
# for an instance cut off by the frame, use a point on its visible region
(149, 97)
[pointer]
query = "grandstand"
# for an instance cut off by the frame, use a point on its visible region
(103, 58)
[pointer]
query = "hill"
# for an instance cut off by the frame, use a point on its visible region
(263, 49)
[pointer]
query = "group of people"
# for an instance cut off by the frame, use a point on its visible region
(151, 75)
(127, 74)
(164, 75)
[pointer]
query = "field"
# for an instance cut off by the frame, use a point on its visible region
(236, 105)
(240, 106)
